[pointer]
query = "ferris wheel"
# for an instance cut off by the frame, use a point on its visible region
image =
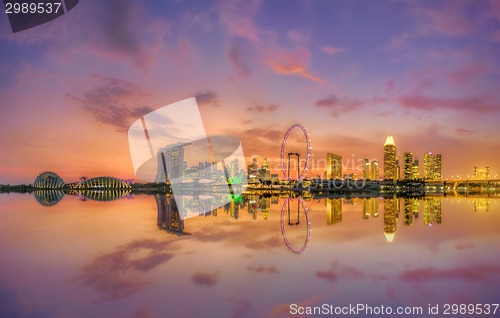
(300, 174)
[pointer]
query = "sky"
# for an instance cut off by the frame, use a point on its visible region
(351, 72)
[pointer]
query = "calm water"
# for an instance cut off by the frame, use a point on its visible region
(124, 258)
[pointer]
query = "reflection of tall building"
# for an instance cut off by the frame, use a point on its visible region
(264, 205)
(482, 174)
(370, 207)
(432, 166)
(333, 211)
(170, 162)
(432, 211)
(390, 218)
(333, 166)
(253, 168)
(390, 159)
(408, 166)
(481, 204)
(168, 215)
(233, 209)
(411, 210)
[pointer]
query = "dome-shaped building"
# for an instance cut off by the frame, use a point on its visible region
(48, 180)
(105, 182)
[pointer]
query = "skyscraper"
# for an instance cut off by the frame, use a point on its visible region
(374, 170)
(390, 159)
(366, 169)
(333, 166)
(432, 166)
(408, 165)
(414, 170)
(170, 162)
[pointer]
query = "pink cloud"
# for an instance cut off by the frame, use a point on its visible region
(467, 73)
(237, 18)
(328, 275)
(469, 104)
(238, 58)
(291, 62)
(463, 246)
(450, 19)
(389, 86)
(463, 131)
(332, 50)
(478, 273)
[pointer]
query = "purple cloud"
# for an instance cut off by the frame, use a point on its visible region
(339, 106)
(263, 109)
(207, 98)
(205, 279)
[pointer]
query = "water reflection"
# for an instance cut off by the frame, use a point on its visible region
(333, 211)
(286, 213)
(53, 197)
(48, 197)
(481, 204)
(171, 217)
(168, 215)
(370, 207)
(128, 258)
(411, 206)
(391, 210)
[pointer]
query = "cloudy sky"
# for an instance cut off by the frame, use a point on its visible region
(352, 72)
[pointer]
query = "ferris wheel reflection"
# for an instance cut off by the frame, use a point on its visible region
(291, 220)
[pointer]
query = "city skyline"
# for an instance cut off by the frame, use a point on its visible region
(352, 73)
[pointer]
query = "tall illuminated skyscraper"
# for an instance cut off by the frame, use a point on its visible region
(408, 165)
(414, 170)
(374, 170)
(170, 162)
(366, 169)
(390, 159)
(333, 166)
(432, 166)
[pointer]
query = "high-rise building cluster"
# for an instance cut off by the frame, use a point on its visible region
(432, 164)
(482, 174)
(259, 173)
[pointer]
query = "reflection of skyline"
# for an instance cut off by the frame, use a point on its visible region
(168, 215)
(481, 204)
(333, 211)
(432, 211)
(390, 218)
(411, 210)
(370, 207)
